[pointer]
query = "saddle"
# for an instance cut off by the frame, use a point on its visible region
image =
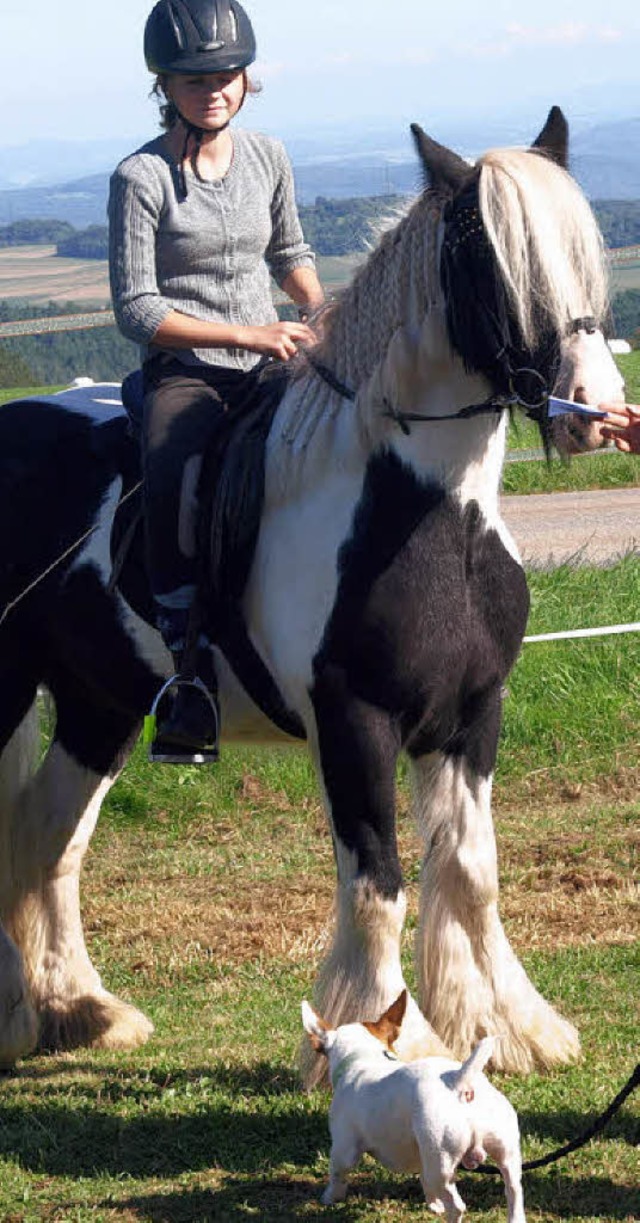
(230, 498)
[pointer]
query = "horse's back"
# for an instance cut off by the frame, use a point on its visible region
(56, 464)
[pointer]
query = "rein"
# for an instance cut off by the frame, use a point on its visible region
(494, 405)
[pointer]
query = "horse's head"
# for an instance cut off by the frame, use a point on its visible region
(524, 278)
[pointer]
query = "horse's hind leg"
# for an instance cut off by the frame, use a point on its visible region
(471, 983)
(362, 975)
(52, 824)
(19, 736)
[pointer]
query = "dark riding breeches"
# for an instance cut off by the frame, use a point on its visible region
(182, 405)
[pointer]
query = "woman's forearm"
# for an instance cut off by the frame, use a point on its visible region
(179, 330)
(303, 287)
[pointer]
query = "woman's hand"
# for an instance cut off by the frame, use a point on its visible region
(279, 340)
(626, 419)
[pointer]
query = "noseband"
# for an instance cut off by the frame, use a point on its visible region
(528, 389)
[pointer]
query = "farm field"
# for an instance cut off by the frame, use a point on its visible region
(37, 273)
(207, 897)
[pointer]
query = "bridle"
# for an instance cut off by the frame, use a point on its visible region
(527, 389)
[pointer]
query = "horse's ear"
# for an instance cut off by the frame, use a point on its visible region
(442, 167)
(554, 138)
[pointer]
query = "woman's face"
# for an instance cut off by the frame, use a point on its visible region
(208, 101)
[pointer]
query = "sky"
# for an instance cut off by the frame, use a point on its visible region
(74, 70)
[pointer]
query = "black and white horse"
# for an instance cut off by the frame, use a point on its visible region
(386, 599)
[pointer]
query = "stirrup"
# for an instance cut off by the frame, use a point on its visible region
(162, 755)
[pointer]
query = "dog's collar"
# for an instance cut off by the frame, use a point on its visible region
(340, 1070)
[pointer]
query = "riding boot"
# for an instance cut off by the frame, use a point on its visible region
(188, 714)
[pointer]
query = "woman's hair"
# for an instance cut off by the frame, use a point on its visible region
(169, 115)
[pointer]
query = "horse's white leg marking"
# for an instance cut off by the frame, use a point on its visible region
(54, 818)
(362, 974)
(471, 983)
(18, 1020)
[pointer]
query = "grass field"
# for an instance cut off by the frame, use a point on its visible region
(207, 897)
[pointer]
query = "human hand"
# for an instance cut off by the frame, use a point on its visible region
(280, 340)
(622, 426)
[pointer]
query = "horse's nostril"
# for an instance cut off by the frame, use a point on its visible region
(580, 395)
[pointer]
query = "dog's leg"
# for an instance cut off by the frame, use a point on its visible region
(471, 983)
(357, 749)
(454, 1206)
(345, 1154)
(437, 1169)
(506, 1155)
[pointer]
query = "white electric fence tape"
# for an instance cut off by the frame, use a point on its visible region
(571, 634)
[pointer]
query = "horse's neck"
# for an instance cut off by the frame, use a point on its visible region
(421, 376)
(388, 342)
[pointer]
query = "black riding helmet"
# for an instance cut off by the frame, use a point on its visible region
(198, 37)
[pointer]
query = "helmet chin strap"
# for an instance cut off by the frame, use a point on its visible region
(195, 133)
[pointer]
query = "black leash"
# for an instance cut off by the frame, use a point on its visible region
(595, 1128)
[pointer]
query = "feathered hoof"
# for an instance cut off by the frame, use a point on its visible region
(18, 1030)
(98, 1022)
(553, 1042)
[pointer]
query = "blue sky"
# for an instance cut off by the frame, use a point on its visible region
(74, 70)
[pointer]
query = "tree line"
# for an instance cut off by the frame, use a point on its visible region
(332, 227)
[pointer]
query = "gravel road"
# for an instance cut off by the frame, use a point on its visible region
(594, 527)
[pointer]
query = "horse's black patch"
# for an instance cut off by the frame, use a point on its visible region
(428, 619)
(64, 632)
(55, 468)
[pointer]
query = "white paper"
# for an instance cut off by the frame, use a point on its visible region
(560, 407)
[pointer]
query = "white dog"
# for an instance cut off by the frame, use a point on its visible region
(425, 1116)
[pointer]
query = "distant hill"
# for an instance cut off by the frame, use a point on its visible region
(604, 159)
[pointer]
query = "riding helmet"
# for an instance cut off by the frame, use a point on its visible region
(198, 36)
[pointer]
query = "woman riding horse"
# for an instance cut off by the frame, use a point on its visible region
(385, 598)
(198, 218)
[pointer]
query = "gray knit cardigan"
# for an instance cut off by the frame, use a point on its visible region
(208, 254)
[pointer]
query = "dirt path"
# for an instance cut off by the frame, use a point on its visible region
(595, 527)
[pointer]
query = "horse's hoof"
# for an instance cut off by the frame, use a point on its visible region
(18, 1030)
(102, 1022)
(554, 1043)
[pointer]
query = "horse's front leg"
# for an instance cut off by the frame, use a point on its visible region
(471, 983)
(357, 749)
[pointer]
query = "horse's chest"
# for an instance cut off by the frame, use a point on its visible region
(428, 597)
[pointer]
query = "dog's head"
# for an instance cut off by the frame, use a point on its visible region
(386, 1029)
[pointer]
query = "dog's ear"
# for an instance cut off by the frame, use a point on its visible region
(317, 1030)
(396, 1012)
(387, 1027)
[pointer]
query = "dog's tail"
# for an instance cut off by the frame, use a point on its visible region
(463, 1081)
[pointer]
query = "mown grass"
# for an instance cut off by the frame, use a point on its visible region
(207, 897)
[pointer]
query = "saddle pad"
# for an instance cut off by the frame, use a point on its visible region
(99, 400)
